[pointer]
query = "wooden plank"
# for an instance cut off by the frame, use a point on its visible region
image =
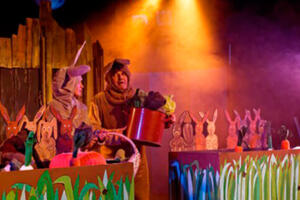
(29, 42)
(27, 90)
(98, 67)
(36, 32)
(14, 49)
(43, 71)
(7, 96)
(90, 76)
(59, 50)
(19, 47)
(5, 52)
(70, 45)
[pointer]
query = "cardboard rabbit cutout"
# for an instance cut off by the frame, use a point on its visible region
(240, 123)
(232, 137)
(183, 133)
(32, 125)
(188, 131)
(64, 141)
(211, 138)
(177, 143)
(12, 127)
(46, 136)
(254, 137)
(200, 141)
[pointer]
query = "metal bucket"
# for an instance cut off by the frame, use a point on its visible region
(146, 126)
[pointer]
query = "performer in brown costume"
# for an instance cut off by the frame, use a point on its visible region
(109, 111)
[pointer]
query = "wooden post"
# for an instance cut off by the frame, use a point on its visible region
(43, 69)
(98, 67)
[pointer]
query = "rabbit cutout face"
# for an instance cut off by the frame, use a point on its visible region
(32, 125)
(12, 127)
(199, 137)
(46, 148)
(66, 124)
(46, 129)
(211, 127)
(211, 138)
(232, 137)
(64, 141)
(254, 137)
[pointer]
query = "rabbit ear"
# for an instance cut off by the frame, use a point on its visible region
(78, 54)
(194, 118)
(227, 115)
(23, 120)
(73, 112)
(53, 124)
(39, 114)
(237, 114)
(39, 130)
(215, 115)
(20, 114)
(201, 114)
(55, 113)
(4, 113)
(205, 117)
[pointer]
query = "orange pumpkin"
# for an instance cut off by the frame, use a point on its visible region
(285, 144)
(83, 159)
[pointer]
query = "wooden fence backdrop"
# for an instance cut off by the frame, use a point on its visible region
(29, 58)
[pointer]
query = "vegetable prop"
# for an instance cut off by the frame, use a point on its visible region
(78, 158)
(285, 144)
(12, 128)
(32, 125)
(83, 159)
(241, 133)
(64, 141)
(135, 158)
(28, 151)
(170, 105)
(154, 101)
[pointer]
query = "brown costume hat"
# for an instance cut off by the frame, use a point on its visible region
(118, 64)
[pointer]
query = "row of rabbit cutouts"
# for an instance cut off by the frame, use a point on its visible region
(189, 137)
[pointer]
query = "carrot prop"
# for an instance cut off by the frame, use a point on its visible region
(285, 144)
(241, 133)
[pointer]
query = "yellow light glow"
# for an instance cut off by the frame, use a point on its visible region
(181, 39)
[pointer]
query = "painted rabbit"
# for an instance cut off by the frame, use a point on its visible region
(177, 143)
(12, 128)
(188, 132)
(199, 137)
(46, 147)
(254, 137)
(242, 123)
(32, 125)
(232, 137)
(64, 141)
(211, 138)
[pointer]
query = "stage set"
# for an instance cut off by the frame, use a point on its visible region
(150, 99)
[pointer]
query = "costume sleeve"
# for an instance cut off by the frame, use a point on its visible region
(94, 117)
